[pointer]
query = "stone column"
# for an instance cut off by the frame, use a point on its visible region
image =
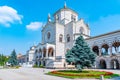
(46, 53)
(117, 50)
(100, 51)
(42, 53)
(108, 65)
(54, 53)
(110, 50)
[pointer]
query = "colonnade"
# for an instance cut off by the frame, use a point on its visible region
(107, 49)
(42, 54)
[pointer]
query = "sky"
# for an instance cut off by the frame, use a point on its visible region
(21, 20)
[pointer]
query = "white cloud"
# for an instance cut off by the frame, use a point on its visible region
(105, 24)
(34, 25)
(9, 15)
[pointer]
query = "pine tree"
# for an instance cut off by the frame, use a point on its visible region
(13, 59)
(81, 54)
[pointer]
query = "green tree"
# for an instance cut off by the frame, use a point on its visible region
(13, 59)
(3, 59)
(80, 54)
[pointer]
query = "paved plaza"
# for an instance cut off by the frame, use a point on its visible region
(35, 74)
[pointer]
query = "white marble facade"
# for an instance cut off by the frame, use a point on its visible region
(107, 48)
(59, 35)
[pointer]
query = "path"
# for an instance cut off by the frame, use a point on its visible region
(36, 74)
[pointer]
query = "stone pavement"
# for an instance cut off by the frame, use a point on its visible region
(36, 74)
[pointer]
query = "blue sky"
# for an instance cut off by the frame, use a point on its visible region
(17, 18)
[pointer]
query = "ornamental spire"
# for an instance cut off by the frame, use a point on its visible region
(49, 17)
(65, 4)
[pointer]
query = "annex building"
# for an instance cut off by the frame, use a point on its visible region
(59, 35)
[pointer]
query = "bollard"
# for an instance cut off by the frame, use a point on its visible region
(43, 70)
(101, 77)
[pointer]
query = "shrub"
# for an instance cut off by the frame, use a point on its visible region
(35, 66)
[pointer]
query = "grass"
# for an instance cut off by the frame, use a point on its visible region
(84, 74)
(35, 66)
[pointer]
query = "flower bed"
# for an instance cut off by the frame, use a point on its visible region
(61, 73)
(83, 74)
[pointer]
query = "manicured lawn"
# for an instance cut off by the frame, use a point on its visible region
(83, 74)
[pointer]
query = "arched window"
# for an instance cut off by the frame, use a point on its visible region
(60, 38)
(68, 38)
(96, 49)
(40, 51)
(105, 49)
(116, 47)
(36, 51)
(81, 30)
(48, 35)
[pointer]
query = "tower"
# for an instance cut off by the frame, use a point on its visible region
(65, 15)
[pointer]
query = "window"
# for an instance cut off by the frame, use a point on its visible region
(81, 30)
(68, 38)
(48, 35)
(57, 17)
(60, 38)
(73, 18)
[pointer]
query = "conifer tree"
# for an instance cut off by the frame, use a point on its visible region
(81, 54)
(13, 59)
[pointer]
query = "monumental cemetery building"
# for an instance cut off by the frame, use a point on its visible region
(59, 35)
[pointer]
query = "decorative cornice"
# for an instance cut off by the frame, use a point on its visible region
(103, 34)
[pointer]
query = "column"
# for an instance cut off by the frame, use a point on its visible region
(110, 49)
(100, 52)
(108, 64)
(42, 53)
(46, 53)
(117, 49)
(54, 53)
(106, 50)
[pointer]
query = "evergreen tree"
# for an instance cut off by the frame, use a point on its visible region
(80, 54)
(13, 59)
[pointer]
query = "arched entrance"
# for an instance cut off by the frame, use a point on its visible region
(44, 52)
(44, 64)
(102, 64)
(36, 63)
(96, 50)
(50, 52)
(114, 64)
